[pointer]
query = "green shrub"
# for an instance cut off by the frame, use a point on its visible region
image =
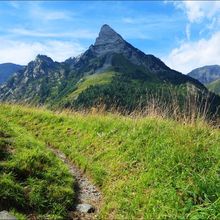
(11, 193)
(30, 162)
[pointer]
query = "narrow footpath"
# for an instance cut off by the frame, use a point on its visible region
(88, 197)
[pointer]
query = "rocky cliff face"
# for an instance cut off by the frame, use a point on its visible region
(39, 67)
(107, 40)
(110, 43)
(34, 82)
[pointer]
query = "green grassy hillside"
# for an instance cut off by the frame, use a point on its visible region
(214, 86)
(146, 168)
(33, 182)
(88, 81)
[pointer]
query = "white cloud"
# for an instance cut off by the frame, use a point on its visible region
(188, 32)
(128, 20)
(50, 15)
(198, 10)
(35, 10)
(79, 34)
(23, 52)
(38, 12)
(190, 55)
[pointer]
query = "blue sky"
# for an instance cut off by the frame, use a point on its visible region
(185, 35)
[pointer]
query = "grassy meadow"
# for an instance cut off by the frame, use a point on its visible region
(146, 168)
(33, 182)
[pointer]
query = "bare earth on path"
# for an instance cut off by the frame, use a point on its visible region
(86, 192)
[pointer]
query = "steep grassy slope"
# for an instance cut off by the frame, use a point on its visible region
(214, 86)
(96, 79)
(87, 82)
(146, 168)
(33, 182)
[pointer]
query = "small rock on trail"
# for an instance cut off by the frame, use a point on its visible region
(85, 208)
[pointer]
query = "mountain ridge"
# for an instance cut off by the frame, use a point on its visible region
(7, 70)
(206, 74)
(209, 75)
(135, 74)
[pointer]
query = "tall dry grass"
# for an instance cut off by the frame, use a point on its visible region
(193, 107)
(189, 109)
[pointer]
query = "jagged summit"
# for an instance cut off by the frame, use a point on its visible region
(109, 43)
(43, 58)
(107, 36)
(39, 67)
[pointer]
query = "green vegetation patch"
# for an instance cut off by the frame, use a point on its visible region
(32, 180)
(147, 168)
(91, 80)
(214, 86)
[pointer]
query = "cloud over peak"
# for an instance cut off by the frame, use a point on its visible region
(193, 54)
(196, 11)
(23, 52)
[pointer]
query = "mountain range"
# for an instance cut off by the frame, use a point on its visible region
(7, 70)
(111, 72)
(206, 74)
(209, 76)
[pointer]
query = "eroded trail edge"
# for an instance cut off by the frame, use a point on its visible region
(86, 192)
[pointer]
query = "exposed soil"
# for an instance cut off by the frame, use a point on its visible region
(86, 192)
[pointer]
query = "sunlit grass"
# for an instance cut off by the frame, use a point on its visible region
(91, 80)
(151, 168)
(32, 179)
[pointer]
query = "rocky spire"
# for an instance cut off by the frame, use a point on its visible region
(43, 59)
(107, 36)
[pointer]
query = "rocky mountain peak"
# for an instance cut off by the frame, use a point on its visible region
(107, 36)
(43, 59)
(39, 66)
(107, 45)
